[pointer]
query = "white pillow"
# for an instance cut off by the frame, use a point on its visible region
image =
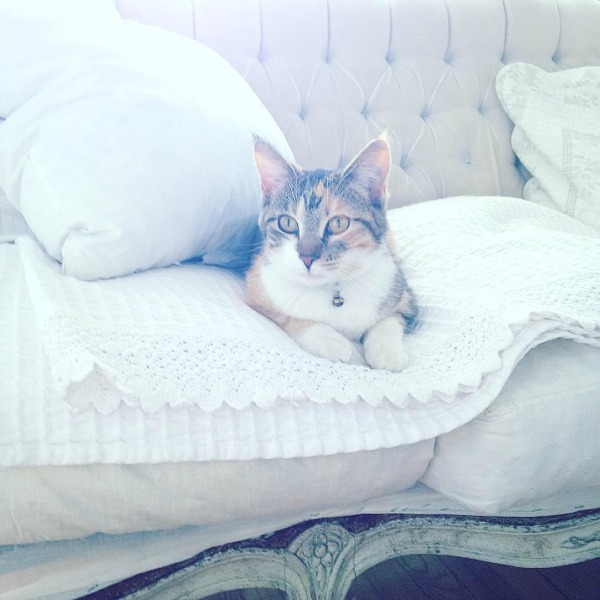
(539, 437)
(124, 146)
(557, 135)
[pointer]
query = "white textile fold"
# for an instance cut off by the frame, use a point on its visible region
(493, 276)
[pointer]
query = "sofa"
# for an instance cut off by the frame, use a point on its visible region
(161, 439)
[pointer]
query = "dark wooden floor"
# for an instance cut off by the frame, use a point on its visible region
(448, 578)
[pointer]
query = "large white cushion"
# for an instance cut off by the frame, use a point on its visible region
(557, 135)
(125, 146)
(539, 437)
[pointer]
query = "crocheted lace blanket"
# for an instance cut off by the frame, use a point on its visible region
(493, 276)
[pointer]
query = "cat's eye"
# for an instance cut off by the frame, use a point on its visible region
(287, 224)
(338, 224)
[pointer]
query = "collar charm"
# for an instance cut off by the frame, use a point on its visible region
(337, 299)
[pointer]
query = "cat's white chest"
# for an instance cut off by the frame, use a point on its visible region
(358, 302)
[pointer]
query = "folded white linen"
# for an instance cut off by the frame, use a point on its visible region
(494, 278)
(37, 429)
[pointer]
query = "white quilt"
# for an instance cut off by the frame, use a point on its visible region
(494, 277)
(178, 368)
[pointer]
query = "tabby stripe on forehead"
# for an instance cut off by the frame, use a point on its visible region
(313, 197)
(319, 190)
(313, 201)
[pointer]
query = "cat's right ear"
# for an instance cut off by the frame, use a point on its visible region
(273, 169)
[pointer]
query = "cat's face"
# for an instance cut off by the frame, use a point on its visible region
(323, 226)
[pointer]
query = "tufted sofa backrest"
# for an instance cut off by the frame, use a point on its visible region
(336, 73)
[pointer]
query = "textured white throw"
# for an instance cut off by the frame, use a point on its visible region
(494, 277)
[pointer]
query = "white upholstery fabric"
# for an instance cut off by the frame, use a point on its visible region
(53, 503)
(336, 73)
(536, 439)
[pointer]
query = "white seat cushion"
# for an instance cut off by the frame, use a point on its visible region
(540, 436)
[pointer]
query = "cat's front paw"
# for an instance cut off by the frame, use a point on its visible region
(386, 355)
(384, 346)
(326, 342)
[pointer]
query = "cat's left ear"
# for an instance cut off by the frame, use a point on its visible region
(370, 170)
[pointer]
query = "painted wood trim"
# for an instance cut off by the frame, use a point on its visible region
(320, 560)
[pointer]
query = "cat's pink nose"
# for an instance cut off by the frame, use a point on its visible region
(308, 261)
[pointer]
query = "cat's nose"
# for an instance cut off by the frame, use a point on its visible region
(308, 261)
(309, 249)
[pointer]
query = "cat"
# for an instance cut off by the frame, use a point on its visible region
(327, 272)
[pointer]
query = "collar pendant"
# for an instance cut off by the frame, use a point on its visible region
(337, 299)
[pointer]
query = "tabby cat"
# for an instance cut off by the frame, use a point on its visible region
(327, 272)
